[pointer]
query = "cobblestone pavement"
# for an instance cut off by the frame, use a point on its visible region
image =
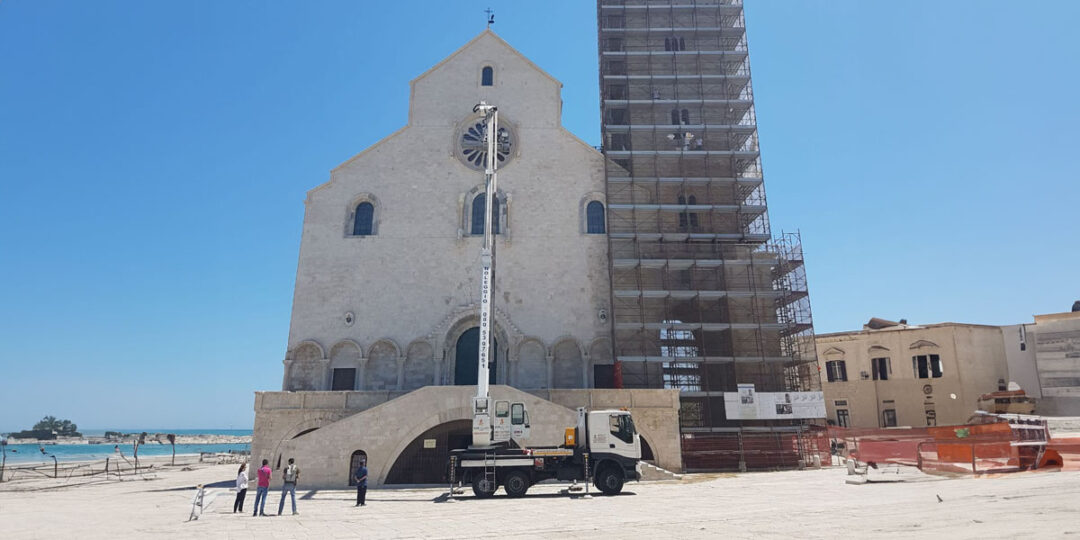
(789, 504)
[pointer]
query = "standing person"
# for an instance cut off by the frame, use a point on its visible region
(241, 489)
(361, 483)
(292, 474)
(262, 489)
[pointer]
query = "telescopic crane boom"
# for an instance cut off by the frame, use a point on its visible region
(482, 429)
(603, 448)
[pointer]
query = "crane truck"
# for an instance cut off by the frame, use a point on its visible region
(602, 448)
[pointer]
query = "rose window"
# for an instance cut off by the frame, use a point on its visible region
(473, 146)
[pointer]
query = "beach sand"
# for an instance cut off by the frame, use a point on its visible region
(788, 504)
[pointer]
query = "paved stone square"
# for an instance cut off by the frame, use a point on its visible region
(788, 504)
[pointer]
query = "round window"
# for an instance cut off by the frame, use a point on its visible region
(473, 145)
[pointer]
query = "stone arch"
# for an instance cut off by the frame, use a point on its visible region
(503, 216)
(350, 214)
(355, 459)
(487, 74)
(305, 432)
(923, 343)
(345, 354)
(419, 365)
(530, 370)
(440, 334)
(647, 453)
(305, 366)
(418, 428)
(381, 369)
(464, 324)
(583, 205)
(304, 427)
(567, 364)
(600, 354)
(308, 349)
(418, 463)
(660, 454)
(300, 428)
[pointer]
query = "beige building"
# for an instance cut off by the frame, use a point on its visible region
(1047, 354)
(381, 359)
(895, 374)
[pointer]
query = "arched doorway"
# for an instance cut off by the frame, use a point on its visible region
(467, 354)
(357, 458)
(646, 451)
(425, 459)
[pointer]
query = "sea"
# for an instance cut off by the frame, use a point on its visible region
(32, 453)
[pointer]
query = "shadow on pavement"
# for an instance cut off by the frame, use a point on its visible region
(222, 484)
(446, 496)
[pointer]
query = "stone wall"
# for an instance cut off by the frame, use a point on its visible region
(322, 429)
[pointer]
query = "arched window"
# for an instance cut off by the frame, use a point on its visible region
(594, 216)
(478, 215)
(487, 76)
(358, 459)
(685, 116)
(693, 215)
(674, 117)
(362, 222)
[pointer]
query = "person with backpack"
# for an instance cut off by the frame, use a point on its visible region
(292, 474)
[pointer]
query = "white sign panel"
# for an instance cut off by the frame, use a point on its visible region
(747, 404)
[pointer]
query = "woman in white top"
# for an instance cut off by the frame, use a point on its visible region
(241, 488)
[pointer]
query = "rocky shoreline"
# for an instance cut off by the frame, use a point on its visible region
(129, 438)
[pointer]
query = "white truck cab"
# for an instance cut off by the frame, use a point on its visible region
(611, 432)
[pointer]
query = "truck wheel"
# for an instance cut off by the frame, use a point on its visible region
(610, 480)
(516, 484)
(482, 487)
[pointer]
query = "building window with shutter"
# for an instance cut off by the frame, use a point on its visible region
(843, 419)
(926, 366)
(888, 418)
(836, 370)
(880, 368)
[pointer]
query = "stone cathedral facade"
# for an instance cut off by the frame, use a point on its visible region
(381, 357)
(388, 279)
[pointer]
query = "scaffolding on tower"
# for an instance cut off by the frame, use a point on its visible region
(704, 298)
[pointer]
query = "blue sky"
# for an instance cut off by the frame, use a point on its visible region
(154, 157)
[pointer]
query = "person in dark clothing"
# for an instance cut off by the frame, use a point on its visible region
(241, 488)
(361, 484)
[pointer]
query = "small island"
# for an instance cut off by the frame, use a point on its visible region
(49, 428)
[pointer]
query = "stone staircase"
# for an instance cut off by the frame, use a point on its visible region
(652, 473)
